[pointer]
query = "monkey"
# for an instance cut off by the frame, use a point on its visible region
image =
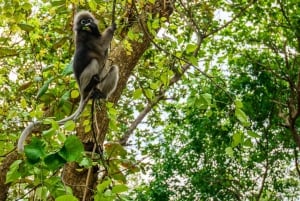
(95, 76)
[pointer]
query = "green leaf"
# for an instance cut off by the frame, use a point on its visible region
(66, 198)
(154, 85)
(191, 48)
(13, 173)
(41, 192)
(65, 96)
(72, 149)
(70, 125)
(253, 134)
(248, 143)
(26, 27)
(48, 133)
(149, 93)
(92, 4)
(155, 24)
(34, 151)
(229, 151)
(54, 126)
(242, 117)
(54, 161)
(68, 69)
(57, 3)
(74, 93)
(193, 60)
(205, 99)
(114, 149)
(137, 93)
(237, 139)
(238, 104)
(86, 162)
(104, 185)
(119, 188)
(164, 79)
(44, 88)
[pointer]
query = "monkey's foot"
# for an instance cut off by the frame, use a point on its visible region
(97, 94)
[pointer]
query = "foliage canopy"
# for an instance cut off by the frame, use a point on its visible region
(207, 107)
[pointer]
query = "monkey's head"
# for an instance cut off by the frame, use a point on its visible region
(85, 21)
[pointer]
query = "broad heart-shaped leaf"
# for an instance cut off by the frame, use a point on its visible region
(72, 149)
(66, 198)
(34, 151)
(54, 161)
(13, 174)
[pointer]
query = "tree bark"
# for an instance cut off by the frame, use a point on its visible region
(9, 159)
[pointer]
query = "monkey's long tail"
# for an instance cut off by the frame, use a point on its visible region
(76, 114)
(28, 130)
(24, 135)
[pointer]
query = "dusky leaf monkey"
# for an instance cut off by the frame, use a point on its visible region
(96, 77)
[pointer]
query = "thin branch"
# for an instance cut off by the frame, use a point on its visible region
(266, 166)
(284, 13)
(296, 161)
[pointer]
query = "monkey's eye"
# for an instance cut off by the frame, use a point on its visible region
(83, 21)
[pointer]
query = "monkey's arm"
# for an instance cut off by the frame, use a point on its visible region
(107, 36)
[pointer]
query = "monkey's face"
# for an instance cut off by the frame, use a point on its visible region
(84, 21)
(86, 24)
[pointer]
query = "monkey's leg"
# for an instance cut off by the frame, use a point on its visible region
(109, 82)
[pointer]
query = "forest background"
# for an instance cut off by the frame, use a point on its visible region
(207, 106)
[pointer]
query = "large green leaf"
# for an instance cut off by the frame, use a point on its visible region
(54, 161)
(72, 149)
(35, 150)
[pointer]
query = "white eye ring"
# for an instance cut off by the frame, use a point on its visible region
(83, 22)
(89, 20)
